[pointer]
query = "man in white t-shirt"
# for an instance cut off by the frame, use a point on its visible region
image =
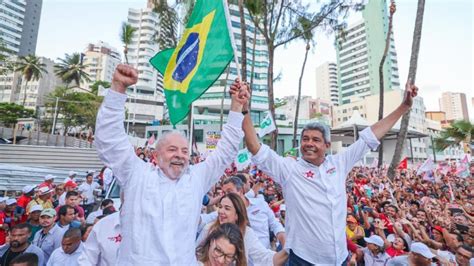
(70, 250)
(87, 192)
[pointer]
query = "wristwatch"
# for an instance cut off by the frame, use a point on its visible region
(244, 112)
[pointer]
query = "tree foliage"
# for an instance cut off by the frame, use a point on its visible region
(11, 112)
(95, 87)
(71, 69)
(459, 131)
(31, 68)
(126, 35)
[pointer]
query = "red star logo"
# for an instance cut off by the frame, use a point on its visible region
(309, 174)
(116, 239)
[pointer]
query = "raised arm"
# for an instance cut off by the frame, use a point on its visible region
(383, 126)
(112, 144)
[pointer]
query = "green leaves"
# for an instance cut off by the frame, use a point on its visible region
(70, 69)
(11, 112)
(30, 67)
(460, 131)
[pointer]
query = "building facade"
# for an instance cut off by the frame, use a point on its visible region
(454, 104)
(145, 103)
(359, 51)
(100, 59)
(19, 24)
(326, 83)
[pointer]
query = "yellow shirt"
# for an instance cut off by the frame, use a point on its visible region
(45, 204)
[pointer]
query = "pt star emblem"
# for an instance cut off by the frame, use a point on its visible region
(116, 239)
(309, 174)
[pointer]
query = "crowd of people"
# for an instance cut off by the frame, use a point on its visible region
(177, 209)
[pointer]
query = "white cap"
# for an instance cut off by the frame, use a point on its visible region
(49, 177)
(44, 190)
(27, 189)
(71, 173)
(283, 207)
(11, 201)
(422, 249)
(90, 172)
(3, 199)
(391, 238)
(36, 208)
(375, 239)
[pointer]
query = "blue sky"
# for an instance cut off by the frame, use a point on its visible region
(445, 60)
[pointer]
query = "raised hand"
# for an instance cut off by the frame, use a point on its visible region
(411, 91)
(124, 76)
(240, 93)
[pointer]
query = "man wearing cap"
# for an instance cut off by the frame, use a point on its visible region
(68, 186)
(315, 185)
(169, 225)
(33, 220)
(420, 255)
(43, 198)
(71, 177)
(11, 217)
(372, 255)
(23, 200)
(48, 181)
(49, 237)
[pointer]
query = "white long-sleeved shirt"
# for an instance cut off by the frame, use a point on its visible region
(261, 219)
(316, 199)
(100, 248)
(255, 252)
(60, 258)
(159, 216)
(87, 191)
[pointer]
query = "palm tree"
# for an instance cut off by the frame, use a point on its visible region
(381, 81)
(460, 131)
(305, 28)
(70, 69)
(415, 49)
(167, 35)
(31, 68)
(126, 37)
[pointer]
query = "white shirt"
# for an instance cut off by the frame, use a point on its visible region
(159, 216)
(378, 260)
(87, 190)
(49, 242)
(261, 219)
(108, 177)
(316, 199)
(62, 199)
(60, 258)
(91, 217)
(102, 245)
(255, 252)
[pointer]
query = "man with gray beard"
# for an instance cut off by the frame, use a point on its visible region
(160, 216)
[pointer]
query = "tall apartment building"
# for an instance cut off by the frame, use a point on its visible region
(145, 103)
(359, 53)
(454, 104)
(326, 83)
(12, 87)
(19, 24)
(209, 104)
(101, 60)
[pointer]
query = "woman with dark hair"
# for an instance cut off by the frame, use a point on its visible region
(224, 246)
(232, 210)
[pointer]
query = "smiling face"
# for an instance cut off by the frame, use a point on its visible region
(221, 252)
(227, 212)
(313, 146)
(172, 155)
(398, 244)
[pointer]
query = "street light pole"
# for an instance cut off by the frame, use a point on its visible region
(54, 118)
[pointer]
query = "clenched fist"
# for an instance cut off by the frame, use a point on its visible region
(124, 76)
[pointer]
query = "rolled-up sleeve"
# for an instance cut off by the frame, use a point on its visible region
(111, 141)
(227, 148)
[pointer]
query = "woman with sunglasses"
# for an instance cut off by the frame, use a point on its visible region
(224, 246)
(232, 210)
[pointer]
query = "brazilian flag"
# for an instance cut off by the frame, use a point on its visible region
(201, 56)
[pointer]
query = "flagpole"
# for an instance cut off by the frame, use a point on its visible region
(231, 35)
(191, 127)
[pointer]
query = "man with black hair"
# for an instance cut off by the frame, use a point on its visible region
(25, 259)
(72, 199)
(104, 204)
(70, 250)
(87, 193)
(66, 217)
(19, 244)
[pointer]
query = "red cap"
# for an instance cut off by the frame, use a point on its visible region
(438, 228)
(70, 184)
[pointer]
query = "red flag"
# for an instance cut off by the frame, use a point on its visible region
(403, 164)
(151, 140)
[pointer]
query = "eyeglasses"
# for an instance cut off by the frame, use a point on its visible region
(219, 253)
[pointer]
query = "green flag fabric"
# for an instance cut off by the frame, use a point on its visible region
(201, 56)
(291, 152)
